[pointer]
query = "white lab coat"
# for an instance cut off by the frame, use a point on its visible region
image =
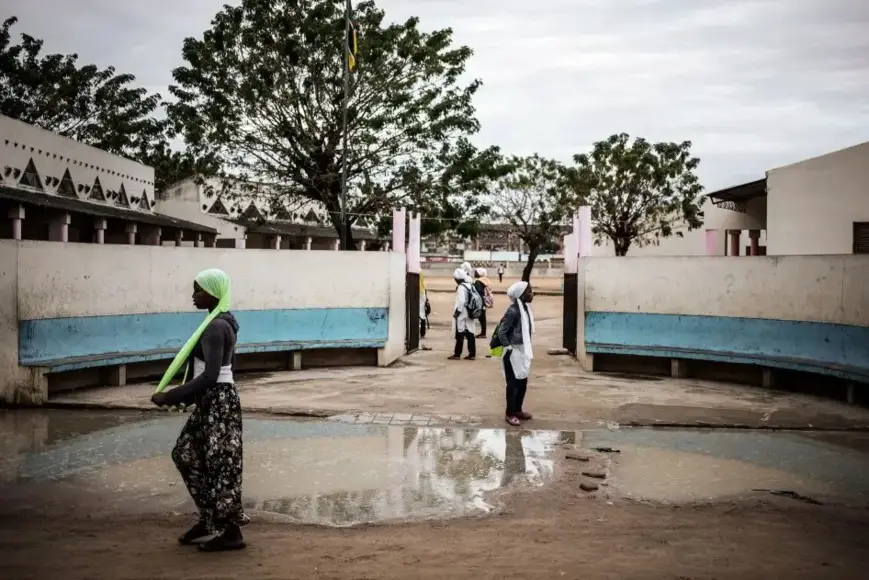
(463, 322)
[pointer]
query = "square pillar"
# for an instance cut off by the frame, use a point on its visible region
(131, 230)
(734, 242)
(678, 368)
(754, 239)
(16, 214)
(241, 243)
(308, 243)
(58, 228)
(100, 226)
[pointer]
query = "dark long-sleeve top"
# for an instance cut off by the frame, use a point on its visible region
(510, 328)
(216, 347)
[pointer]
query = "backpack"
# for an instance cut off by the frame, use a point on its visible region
(427, 307)
(474, 304)
(488, 297)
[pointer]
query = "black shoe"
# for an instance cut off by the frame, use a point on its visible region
(195, 535)
(229, 539)
(469, 357)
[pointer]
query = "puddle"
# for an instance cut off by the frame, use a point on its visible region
(688, 465)
(314, 472)
(341, 474)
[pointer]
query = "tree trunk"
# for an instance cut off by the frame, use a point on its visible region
(621, 245)
(533, 251)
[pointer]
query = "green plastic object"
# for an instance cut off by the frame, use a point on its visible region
(216, 283)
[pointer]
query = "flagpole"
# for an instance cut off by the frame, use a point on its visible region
(346, 64)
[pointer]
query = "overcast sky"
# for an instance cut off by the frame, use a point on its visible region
(753, 83)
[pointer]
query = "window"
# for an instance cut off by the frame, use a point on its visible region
(861, 237)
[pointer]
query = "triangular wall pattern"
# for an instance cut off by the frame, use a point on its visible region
(122, 200)
(143, 201)
(252, 213)
(97, 193)
(31, 178)
(66, 187)
(217, 208)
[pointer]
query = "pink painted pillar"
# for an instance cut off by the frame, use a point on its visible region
(399, 223)
(584, 241)
(711, 242)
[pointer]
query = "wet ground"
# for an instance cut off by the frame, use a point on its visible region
(337, 474)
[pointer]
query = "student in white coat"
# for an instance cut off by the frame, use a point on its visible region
(464, 327)
(515, 333)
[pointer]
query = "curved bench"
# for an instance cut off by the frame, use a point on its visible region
(835, 350)
(63, 345)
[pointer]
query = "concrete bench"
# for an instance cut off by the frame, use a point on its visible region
(809, 347)
(102, 349)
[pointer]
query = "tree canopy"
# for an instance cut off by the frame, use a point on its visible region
(639, 192)
(91, 105)
(532, 199)
(262, 93)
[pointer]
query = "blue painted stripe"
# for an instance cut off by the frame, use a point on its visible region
(835, 349)
(57, 339)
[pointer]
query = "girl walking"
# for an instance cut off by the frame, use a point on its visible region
(208, 453)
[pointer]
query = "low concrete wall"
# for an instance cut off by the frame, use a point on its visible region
(807, 313)
(513, 269)
(63, 303)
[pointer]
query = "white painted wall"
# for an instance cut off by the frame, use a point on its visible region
(41, 280)
(14, 379)
(395, 346)
(92, 280)
(830, 289)
(812, 204)
(53, 154)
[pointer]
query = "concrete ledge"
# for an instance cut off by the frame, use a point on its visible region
(801, 365)
(119, 358)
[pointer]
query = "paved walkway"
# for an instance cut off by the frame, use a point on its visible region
(426, 388)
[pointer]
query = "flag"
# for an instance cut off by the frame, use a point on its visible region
(352, 45)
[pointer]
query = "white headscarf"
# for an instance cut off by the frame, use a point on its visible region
(461, 275)
(481, 272)
(469, 270)
(515, 293)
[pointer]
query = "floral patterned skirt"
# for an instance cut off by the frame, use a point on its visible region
(209, 456)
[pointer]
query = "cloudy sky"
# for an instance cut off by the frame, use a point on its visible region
(753, 83)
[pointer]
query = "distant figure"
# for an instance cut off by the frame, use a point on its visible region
(514, 334)
(482, 285)
(464, 326)
(500, 273)
(424, 308)
(209, 450)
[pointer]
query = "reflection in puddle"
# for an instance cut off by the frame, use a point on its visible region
(340, 474)
(314, 472)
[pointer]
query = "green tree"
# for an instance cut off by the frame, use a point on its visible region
(262, 91)
(533, 200)
(96, 107)
(639, 192)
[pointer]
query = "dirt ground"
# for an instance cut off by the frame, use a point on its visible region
(558, 532)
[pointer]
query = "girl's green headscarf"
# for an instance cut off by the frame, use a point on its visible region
(216, 283)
